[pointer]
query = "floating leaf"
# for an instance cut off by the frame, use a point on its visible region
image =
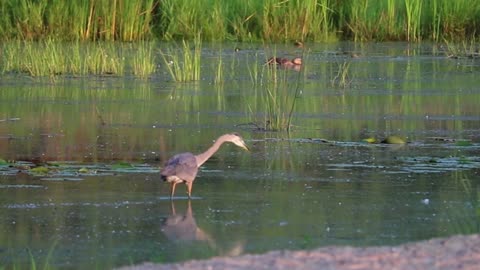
(40, 170)
(370, 140)
(83, 170)
(393, 140)
(463, 143)
(122, 165)
(53, 164)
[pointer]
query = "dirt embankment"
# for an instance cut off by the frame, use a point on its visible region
(456, 252)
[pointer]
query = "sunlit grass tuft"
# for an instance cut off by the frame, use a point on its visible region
(183, 64)
(144, 60)
(50, 58)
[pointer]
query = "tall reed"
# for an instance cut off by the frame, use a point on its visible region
(296, 20)
(413, 10)
(84, 19)
(241, 20)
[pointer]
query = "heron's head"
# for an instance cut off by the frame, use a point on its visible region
(237, 140)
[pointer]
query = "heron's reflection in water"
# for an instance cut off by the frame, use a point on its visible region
(178, 227)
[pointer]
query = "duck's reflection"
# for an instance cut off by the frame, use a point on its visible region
(178, 227)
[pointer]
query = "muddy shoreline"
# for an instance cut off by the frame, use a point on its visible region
(456, 252)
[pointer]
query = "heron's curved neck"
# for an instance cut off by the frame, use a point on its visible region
(201, 158)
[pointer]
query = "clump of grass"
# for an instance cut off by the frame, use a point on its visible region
(184, 64)
(341, 78)
(144, 62)
(52, 58)
(462, 49)
(253, 70)
(279, 89)
(104, 58)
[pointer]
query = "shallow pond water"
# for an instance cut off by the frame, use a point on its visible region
(98, 202)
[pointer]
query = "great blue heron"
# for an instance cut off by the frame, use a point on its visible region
(183, 168)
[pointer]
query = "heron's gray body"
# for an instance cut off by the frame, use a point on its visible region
(180, 168)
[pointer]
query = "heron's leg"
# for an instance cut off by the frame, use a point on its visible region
(189, 189)
(173, 190)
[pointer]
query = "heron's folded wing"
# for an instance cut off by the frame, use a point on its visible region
(183, 166)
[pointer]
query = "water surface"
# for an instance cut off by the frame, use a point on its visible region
(102, 205)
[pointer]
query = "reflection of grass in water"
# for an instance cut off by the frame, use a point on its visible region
(35, 264)
(466, 220)
(184, 64)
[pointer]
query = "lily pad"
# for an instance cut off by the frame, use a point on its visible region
(122, 165)
(84, 170)
(370, 140)
(463, 143)
(39, 170)
(393, 140)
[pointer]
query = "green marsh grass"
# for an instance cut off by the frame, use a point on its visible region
(341, 78)
(240, 20)
(144, 60)
(413, 15)
(50, 58)
(462, 49)
(183, 64)
(77, 20)
(296, 20)
(279, 89)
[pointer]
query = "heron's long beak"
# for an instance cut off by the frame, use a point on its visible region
(244, 146)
